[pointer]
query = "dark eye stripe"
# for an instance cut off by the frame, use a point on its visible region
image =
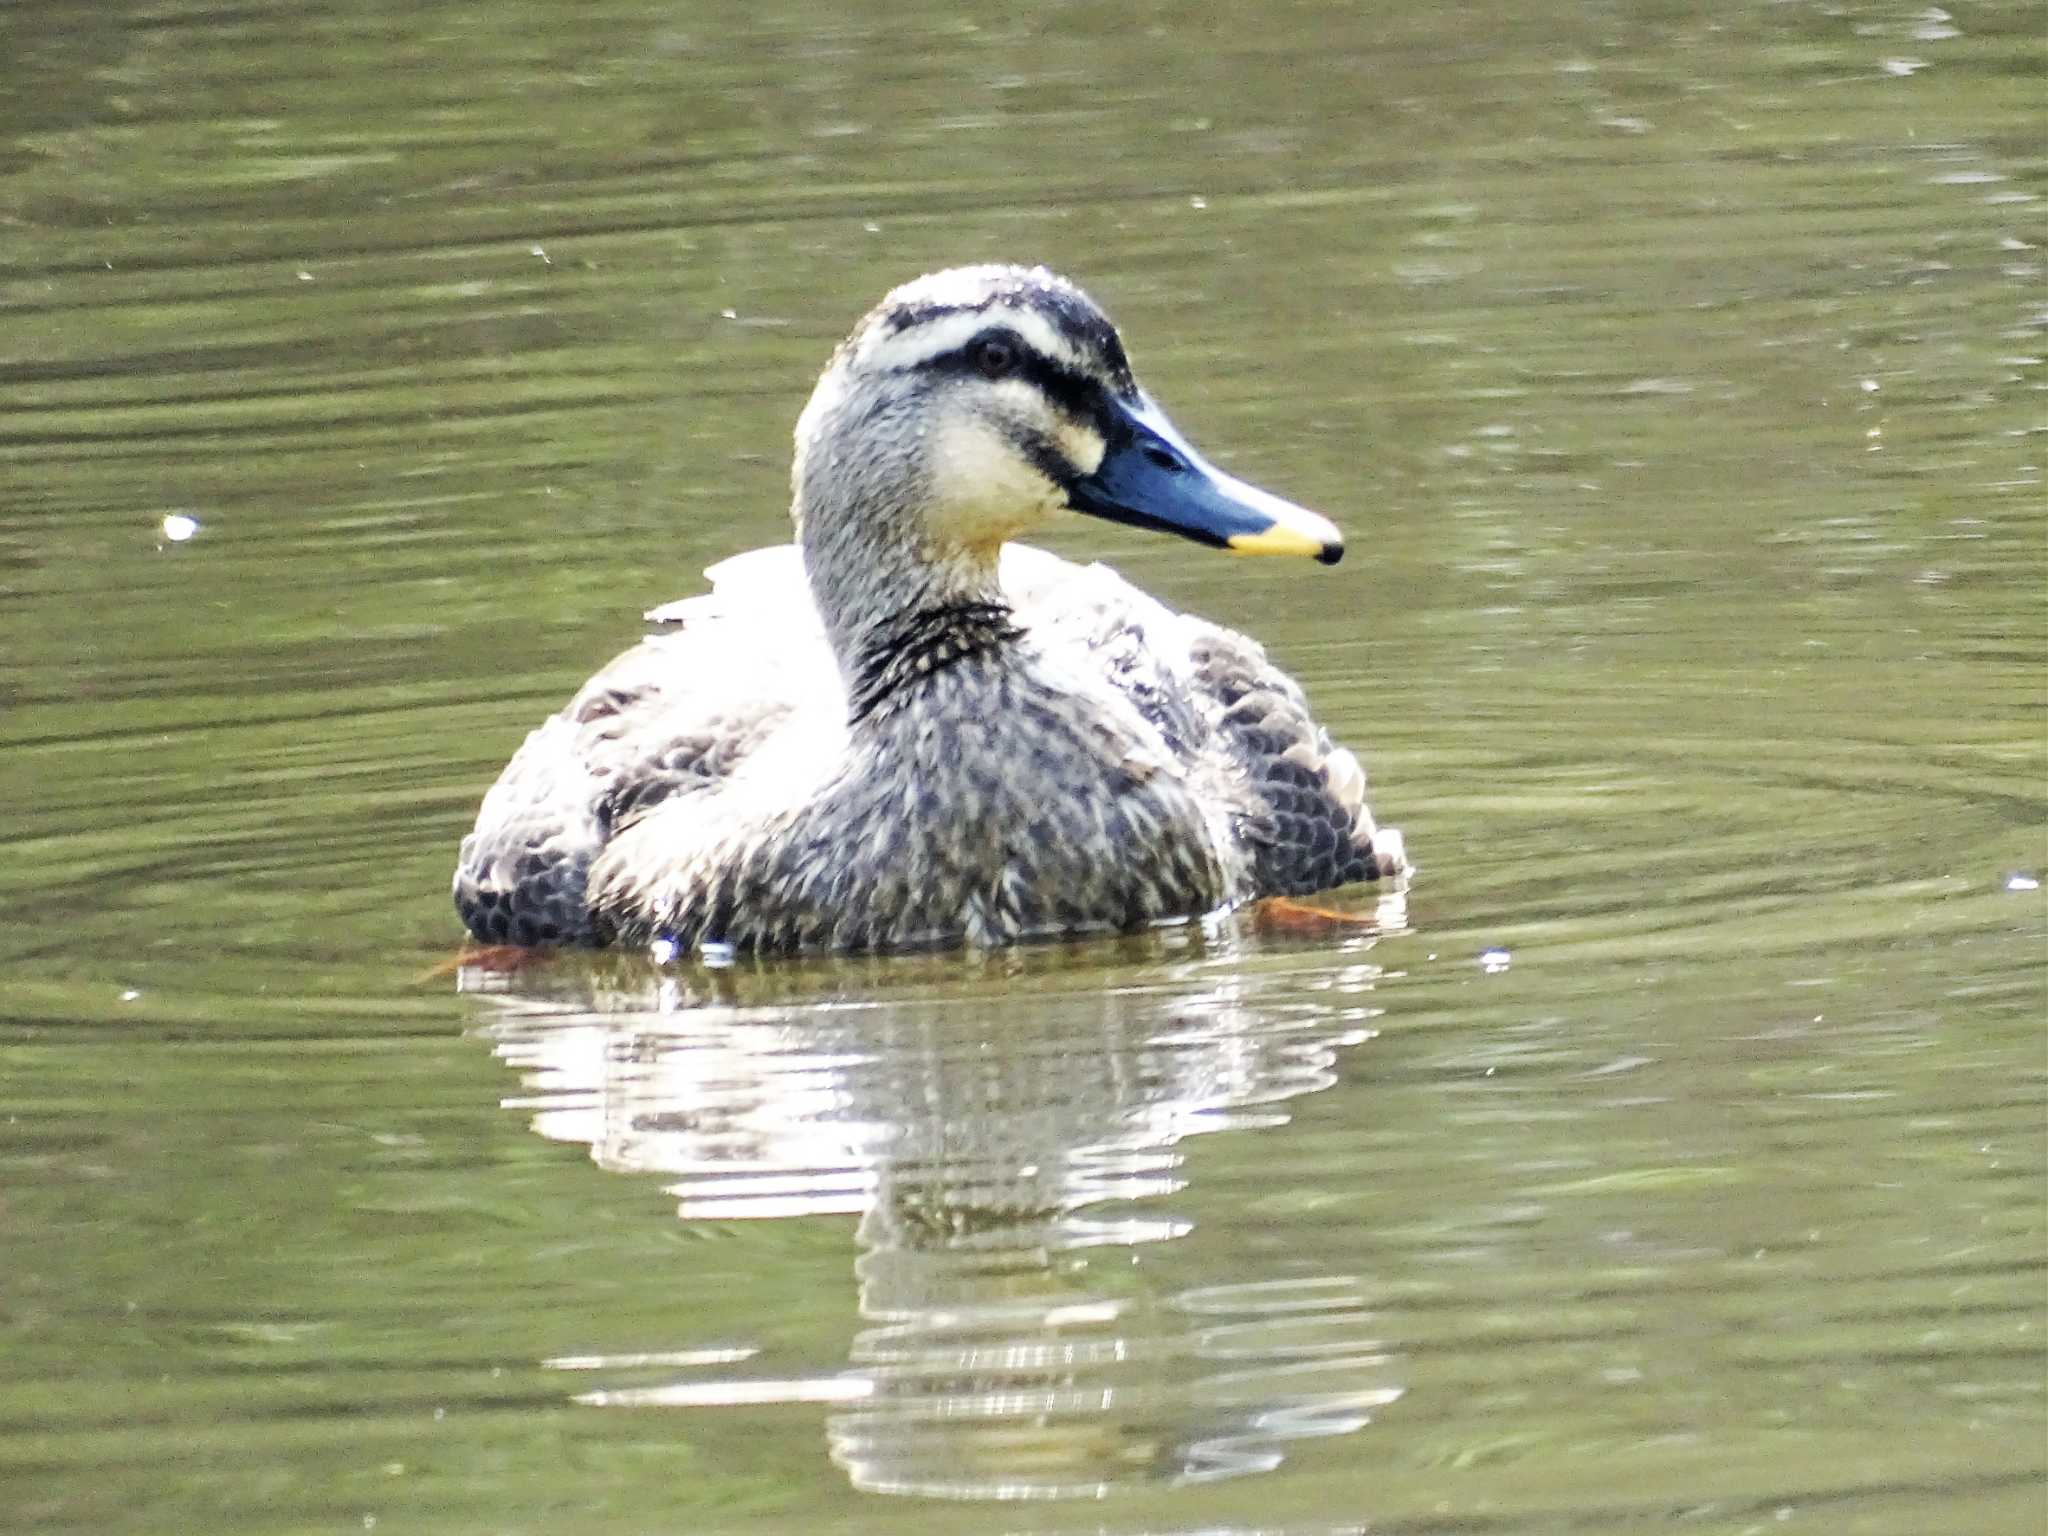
(1079, 396)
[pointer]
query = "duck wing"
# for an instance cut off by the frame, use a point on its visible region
(1224, 710)
(728, 671)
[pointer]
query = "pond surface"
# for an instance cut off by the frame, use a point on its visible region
(1674, 1153)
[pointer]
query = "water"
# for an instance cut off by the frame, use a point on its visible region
(1673, 1155)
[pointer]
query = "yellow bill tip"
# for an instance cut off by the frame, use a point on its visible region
(1300, 533)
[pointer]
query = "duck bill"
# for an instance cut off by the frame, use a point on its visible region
(1152, 477)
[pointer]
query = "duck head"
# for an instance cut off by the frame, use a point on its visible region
(971, 406)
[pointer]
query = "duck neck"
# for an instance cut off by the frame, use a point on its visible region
(896, 612)
(902, 651)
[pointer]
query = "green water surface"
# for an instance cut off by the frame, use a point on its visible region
(1673, 1155)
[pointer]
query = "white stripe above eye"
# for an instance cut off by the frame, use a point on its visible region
(953, 329)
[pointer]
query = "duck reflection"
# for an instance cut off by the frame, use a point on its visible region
(1006, 1130)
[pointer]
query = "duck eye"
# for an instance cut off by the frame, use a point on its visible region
(993, 357)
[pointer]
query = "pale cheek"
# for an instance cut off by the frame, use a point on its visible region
(984, 492)
(1083, 446)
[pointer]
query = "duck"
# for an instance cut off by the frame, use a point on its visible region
(905, 728)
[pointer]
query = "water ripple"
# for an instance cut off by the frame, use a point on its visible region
(1017, 1339)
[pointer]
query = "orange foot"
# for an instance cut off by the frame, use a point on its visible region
(503, 959)
(1284, 915)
